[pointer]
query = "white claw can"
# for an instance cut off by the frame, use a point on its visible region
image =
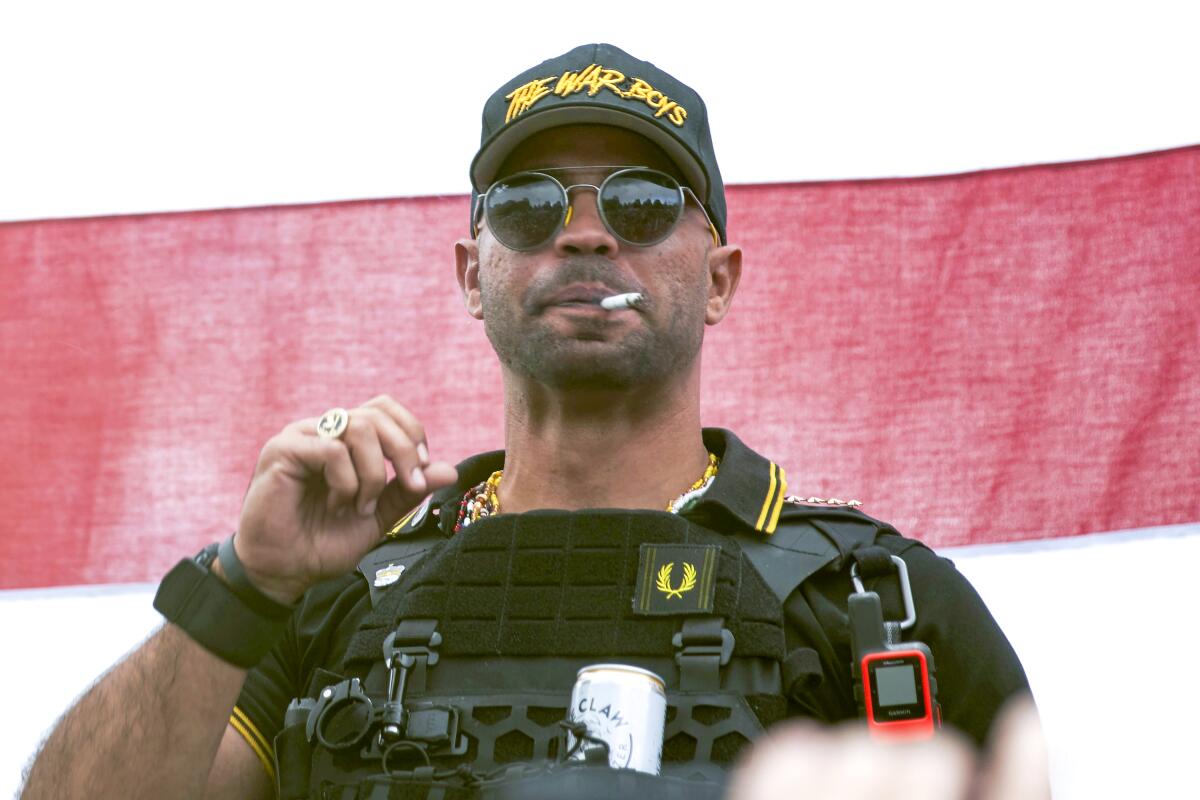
(626, 708)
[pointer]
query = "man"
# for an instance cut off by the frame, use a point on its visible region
(598, 255)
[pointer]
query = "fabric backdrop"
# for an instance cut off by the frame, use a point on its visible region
(979, 358)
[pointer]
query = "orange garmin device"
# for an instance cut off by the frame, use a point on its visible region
(894, 681)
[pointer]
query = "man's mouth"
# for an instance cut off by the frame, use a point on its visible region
(579, 296)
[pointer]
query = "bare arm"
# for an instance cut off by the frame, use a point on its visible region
(237, 772)
(156, 725)
(149, 728)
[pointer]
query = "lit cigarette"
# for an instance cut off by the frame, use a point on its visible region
(618, 301)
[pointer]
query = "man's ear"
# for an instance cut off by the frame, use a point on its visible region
(724, 272)
(466, 269)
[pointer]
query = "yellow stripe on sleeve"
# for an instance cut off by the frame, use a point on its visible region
(258, 743)
(778, 502)
(253, 730)
(766, 506)
(399, 526)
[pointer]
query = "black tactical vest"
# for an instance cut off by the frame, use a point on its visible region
(477, 646)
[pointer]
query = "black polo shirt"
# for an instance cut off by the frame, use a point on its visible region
(977, 668)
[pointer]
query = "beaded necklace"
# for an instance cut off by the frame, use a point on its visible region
(482, 501)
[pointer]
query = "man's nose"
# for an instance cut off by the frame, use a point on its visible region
(584, 231)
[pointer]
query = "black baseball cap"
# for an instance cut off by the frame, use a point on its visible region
(603, 85)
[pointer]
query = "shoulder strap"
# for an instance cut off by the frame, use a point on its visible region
(806, 540)
(407, 541)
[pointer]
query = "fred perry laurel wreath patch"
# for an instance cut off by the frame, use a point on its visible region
(676, 579)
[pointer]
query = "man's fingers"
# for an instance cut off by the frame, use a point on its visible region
(375, 438)
(362, 439)
(400, 450)
(308, 426)
(440, 474)
(327, 458)
(379, 432)
(407, 422)
(340, 476)
(398, 499)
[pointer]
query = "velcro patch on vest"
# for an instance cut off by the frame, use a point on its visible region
(562, 583)
(676, 579)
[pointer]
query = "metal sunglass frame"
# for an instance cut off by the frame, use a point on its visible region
(565, 218)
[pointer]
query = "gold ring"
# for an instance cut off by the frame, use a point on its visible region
(333, 423)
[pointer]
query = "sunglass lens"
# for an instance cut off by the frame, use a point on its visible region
(641, 206)
(524, 211)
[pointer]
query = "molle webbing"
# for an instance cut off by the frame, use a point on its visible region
(557, 583)
(519, 602)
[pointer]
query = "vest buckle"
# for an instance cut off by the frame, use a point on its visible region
(407, 652)
(703, 645)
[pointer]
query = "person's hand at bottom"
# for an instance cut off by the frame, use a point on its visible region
(806, 760)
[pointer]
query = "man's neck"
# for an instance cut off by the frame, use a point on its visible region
(632, 450)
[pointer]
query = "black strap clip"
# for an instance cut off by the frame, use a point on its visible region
(702, 646)
(873, 562)
(407, 652)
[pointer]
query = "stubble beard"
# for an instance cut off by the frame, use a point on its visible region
(591, 359)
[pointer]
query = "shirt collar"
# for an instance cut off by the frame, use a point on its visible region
(748, 490)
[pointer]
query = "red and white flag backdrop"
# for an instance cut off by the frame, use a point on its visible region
(987, 358)
(997, 356)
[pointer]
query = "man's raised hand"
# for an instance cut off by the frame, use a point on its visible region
(316, 505)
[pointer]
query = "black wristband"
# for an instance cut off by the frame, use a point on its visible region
(239, 582)
(209, 611)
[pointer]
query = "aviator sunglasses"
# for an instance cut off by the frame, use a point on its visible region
(638, 205)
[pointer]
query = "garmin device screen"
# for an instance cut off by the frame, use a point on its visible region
(897, 691)
(895, 686)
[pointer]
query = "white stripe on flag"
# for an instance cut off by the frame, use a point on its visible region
(1090, 617)
(1083, 613)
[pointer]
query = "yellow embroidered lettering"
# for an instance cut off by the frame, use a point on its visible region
(638, 90)
(590, 80)
(595, 77)
(565, 83)
(572, 82)
(610, 78)
(560, 88)
(523, 97)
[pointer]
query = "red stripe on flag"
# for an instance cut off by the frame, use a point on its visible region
(984, 357)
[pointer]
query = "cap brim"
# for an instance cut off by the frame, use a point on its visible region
(493, 153)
